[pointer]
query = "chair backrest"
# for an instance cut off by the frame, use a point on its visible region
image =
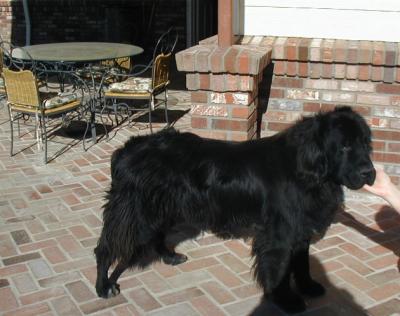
(17, 58)
(165, 45)
(21, 88)
(160, 72)
(123, 63)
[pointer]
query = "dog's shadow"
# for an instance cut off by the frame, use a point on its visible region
(388, 220)
(336, 301)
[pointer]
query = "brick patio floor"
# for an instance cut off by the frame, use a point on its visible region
(50, 218)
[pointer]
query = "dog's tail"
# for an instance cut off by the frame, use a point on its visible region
(125, 237)
(115, 157)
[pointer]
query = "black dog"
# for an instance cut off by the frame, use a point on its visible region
(280, 190)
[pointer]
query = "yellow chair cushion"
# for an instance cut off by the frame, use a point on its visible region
(59, 100)
(131, 85)
(2, 85)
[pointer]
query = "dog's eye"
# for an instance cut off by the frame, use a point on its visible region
(346, 149)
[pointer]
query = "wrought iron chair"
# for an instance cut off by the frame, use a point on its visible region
(6, 61)
(119, 65)
(154, 89)
(25, 100)
(114, 66)
(165, 44)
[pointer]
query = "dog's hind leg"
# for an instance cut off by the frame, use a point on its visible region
(167, 251)
(169, 256)
(104, 260)
(172, 238)
(111, 288)
(119, 269)
(301, 272)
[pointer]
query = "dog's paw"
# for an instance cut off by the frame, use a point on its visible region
(108, 291)
(311, 289)
(291, 304)
(174, 259)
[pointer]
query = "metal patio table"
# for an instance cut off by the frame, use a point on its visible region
(70, 54)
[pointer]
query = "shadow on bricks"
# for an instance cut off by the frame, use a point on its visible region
(336, 301)
(264, 95)
(388, 221)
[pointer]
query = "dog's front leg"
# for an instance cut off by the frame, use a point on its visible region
(301, 271)
(272, 251)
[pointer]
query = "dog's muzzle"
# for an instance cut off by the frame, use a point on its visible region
(355, 179)
(368, 174)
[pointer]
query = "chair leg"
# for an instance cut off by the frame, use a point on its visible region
(44, 136)
(11, 131)
(101, 117)
(18, 128)
(38, 126)
(166, 106)
(114, 105)
(151, 107)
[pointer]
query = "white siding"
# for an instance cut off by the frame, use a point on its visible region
(347, 19)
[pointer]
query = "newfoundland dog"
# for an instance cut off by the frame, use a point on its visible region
(280, 191)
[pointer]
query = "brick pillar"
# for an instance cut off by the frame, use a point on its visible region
(225, 29)
(6, 19)
(224, 88)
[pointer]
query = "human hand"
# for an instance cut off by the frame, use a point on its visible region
(385, 188)
(382, 184)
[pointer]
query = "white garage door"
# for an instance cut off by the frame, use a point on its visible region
(377, 20)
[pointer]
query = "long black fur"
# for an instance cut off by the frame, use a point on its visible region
(280, 190)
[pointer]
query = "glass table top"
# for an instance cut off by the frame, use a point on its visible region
(76, 51)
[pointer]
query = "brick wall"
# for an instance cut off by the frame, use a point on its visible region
(8, 20)
(91, 20)
(310, 75)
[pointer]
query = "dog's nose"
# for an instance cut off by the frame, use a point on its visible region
(368, 173)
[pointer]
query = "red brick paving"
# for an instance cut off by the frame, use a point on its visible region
(50, 218)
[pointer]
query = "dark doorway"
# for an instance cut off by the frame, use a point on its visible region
(201, 20)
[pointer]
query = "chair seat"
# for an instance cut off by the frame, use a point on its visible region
(59, 100)
(126, 95)
(47, 112)
(132, 85)
(2, 85)
(53, 103)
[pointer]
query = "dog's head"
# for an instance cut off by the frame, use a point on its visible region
(335, 146)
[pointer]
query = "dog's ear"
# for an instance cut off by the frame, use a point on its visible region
(311, 161)
(343, 109)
